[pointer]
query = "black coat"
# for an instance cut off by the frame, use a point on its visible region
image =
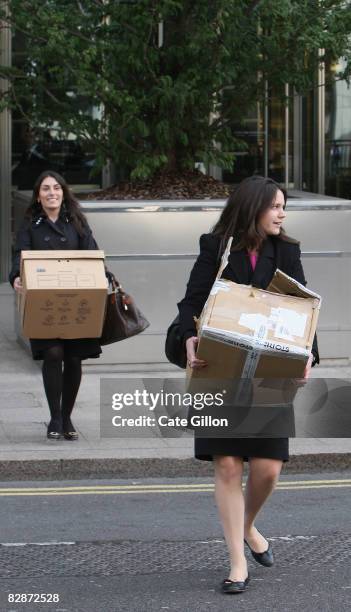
(40, 234)
(276, 253)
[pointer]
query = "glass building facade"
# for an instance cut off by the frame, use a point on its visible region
(338, 137)
(305, 145)
(37, 149)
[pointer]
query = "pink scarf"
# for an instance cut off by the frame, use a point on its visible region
(253, 259)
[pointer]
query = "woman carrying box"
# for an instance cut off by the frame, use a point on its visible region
(253, 215)
(54, 220)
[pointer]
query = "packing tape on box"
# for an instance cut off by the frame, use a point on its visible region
(251, 343)
(286, 323)
(253, 357)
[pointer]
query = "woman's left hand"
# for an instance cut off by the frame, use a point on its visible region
(17, 285)
(308, 367)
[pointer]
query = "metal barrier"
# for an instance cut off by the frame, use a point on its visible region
(151, 248)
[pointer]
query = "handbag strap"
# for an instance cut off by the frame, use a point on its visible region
(116, 285)
(224, 259)
(223, 264)
(117, 288)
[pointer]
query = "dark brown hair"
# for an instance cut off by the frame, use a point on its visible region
(70, 207)
(253, 196)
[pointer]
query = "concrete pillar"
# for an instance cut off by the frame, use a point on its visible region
(321, 125)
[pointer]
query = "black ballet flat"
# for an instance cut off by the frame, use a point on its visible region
(230, 587)
(265, 558)
(54, 431)
(69, 433)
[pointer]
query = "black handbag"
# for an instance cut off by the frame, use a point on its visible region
(123, 318)
(174, 347)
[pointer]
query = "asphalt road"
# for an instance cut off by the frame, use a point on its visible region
(156, 544)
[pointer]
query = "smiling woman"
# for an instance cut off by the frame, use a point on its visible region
(54, 220)
(50, 196)
(271, 220)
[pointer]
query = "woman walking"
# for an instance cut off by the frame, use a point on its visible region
(54, 220)
(253, 215)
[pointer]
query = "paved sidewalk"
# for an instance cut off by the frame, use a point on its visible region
(26, 453)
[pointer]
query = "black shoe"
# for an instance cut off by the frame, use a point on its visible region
(265, 558)
(69, 432)
(230, 587)
(54, 431)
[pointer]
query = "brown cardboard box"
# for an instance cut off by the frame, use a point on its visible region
(245, 332)
(64, 294)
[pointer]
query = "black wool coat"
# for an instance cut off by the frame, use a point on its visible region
(42, 234)
(275, 253)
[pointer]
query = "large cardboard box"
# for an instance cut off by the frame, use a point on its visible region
(245, 332)
(64, 294)
(256, 343)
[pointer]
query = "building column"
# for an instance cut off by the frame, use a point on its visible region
(297, 157)
(321, 126)
(286, 143)
(5, 156)
(108, 175)
(266, 131)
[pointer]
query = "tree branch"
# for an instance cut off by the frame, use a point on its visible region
(250, 9)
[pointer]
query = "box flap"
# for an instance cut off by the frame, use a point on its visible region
(63, 254)
(283, 283)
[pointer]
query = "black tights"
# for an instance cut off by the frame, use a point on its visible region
(61, 385)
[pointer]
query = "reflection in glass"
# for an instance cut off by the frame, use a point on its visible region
(276, 138)
(36, 148)
(338, 133)
(309, 143)
(249, 159)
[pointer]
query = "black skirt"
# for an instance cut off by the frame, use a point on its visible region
(267, 448)
(84, 348)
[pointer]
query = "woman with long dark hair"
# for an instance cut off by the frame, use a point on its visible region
(253, 216)
(54, 220)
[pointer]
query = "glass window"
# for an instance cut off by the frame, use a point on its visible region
(276, 138)
(337, 133)
(309, 143)
(36, 148)
(250, 158)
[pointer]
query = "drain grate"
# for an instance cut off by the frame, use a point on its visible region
(134, 557)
